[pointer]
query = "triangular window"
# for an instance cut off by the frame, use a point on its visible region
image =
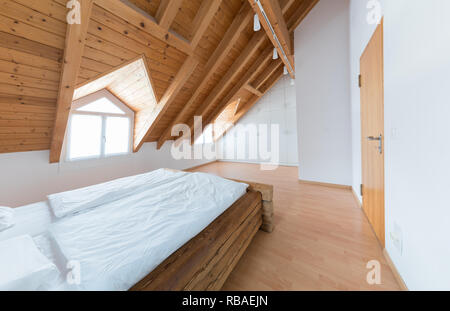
(102, 105)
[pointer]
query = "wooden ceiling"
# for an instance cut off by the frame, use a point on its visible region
(202, 56)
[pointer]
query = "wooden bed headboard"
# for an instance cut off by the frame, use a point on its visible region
(267, 202)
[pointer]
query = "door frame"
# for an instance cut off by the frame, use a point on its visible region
(383, 240)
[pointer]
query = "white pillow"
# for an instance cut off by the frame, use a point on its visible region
(72, 202)
(24, 268)
(6, 218)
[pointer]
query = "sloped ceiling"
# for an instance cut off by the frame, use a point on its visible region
(201, 55)
(131, 83)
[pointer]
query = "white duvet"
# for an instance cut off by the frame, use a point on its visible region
(119, 242)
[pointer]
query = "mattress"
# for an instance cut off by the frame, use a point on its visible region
(118, 243)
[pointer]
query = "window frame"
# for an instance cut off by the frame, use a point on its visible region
(127, 113)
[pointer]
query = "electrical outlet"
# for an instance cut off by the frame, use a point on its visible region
(396, 237)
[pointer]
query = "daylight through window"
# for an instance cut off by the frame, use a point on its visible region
(100, 126)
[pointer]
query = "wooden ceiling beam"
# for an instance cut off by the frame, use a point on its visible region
(267, 85)
(286, 4)
(231, 36)
(274, 78)
(167, 11)
(144, 21)
(169, 97)
(73, 53)
(253, 90)
(251, 47)
(266, 73)
(230, 75)
(238, 87)
(275, 15)
(270, 77)
(255, 43)
(202, 20)
(239, 114)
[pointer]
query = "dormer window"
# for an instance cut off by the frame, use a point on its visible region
(100, 126)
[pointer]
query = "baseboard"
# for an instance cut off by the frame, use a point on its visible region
(329, 185)
(394, 270)
(355, 196)
(201, 165)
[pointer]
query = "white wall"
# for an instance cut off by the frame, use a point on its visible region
(417, 123)
(277, 106)
(28, 177)
(417, 128)
(323, 94)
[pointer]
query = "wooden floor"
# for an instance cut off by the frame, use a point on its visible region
(322, 240)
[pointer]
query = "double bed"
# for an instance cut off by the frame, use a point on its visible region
(163, 230)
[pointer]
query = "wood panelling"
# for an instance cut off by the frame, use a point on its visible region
(31, 50)
(172, 35)
(29, 46)
(142, 20)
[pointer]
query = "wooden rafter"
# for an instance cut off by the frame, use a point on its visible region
(234, 31)
(256, 40)
(237, 66)
(266, 73)
(271, 80)
(252, 46)
(202, 20)
(33, 65)
(245, 79)
(141, 19)
(229, 77)
(253, 90)
(169, 97)
(276, 18)
(73, 52)
(167, 12)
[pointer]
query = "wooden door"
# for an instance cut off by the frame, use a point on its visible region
(372, 131)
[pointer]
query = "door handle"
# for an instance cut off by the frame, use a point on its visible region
(371, 138)
(380, 142)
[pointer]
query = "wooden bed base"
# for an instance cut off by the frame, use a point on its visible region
(206, 261)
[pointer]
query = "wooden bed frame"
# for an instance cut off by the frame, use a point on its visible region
(206, 261)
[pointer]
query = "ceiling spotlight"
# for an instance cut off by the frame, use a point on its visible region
(275, 53)
(285, 71)
(256, 23)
